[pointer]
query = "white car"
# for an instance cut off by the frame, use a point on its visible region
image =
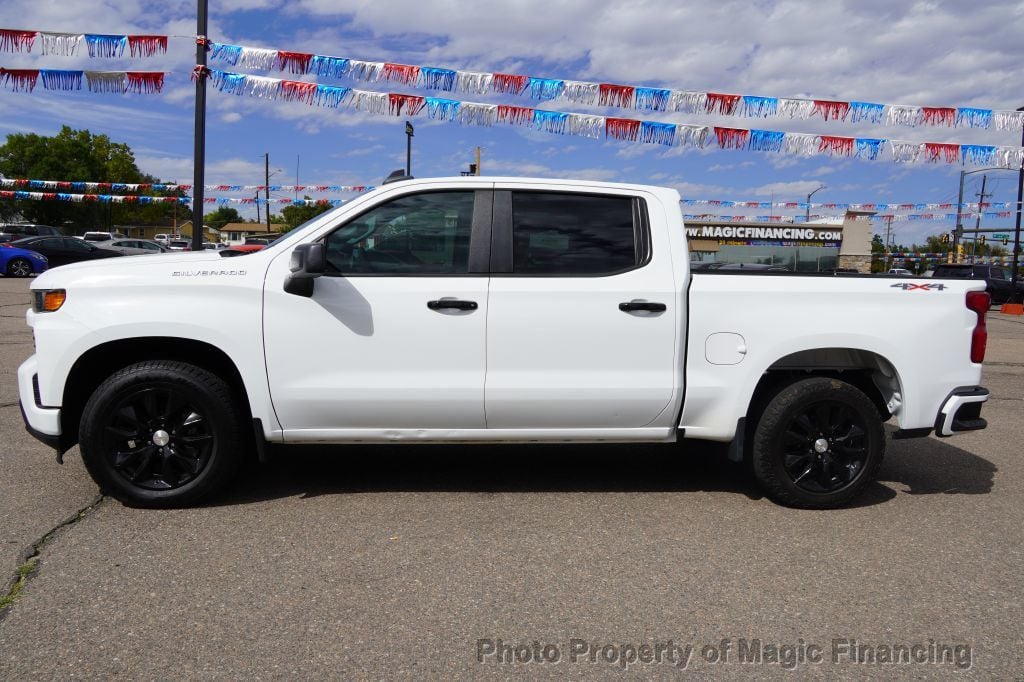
(132, 247)
(101, 236)
(900, 272)
(491, 310)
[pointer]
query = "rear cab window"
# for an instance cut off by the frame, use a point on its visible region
(568, 234)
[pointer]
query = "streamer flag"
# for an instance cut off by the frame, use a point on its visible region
(118, 82)
(124, 187)
(612, 95)
(625, 129)
(98, 44)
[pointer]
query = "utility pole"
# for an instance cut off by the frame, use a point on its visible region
(1014, 298)
(258, 219)
(959, 229)
(478, 160)
(199, 151)
(977, 222)
(888, 230)
(266, 180)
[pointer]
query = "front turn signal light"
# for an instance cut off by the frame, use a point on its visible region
(49, 300)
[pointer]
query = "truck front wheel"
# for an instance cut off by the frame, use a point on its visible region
(161, 434)
(817, 444)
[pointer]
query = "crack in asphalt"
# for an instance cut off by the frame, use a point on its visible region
(28, 566)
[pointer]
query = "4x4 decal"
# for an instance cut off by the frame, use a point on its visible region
(910, 286)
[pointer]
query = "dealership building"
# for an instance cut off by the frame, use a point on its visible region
(801, 247)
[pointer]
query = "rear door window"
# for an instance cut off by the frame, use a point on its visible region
(562, 234)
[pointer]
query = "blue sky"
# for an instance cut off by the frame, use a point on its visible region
(926, 53)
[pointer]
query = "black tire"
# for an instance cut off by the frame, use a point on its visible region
(18, 267)
(161, 433)
(817, 444)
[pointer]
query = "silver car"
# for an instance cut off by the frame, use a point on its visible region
(131, 247)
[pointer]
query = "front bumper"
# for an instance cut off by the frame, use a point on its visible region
(42, 422)
(961, 411)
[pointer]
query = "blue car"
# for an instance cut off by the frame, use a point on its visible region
(15, 262)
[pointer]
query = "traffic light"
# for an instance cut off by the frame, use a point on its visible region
(1005, 242)
(945, 237)
(472, 169)
(981, 239)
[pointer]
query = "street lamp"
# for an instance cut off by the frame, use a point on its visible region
(408, 148)
(808, 217)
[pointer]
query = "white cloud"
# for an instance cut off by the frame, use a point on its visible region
(783, 189)
(231, 117)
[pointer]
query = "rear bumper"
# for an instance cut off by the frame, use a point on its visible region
(961, 411)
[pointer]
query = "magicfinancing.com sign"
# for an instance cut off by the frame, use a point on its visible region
(774, 233)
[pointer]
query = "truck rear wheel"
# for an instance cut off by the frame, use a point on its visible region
(161, 434)
(817, 444)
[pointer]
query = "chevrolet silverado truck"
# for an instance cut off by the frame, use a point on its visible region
(472, 310)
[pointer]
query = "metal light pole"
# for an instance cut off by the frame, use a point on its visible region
(808, 216)
(408, 148)
(199, 152)
(1016, 234)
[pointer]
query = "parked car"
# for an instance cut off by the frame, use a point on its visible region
(900, 272)
(132, 247)
(241, 249)
(164, 239)
(214, 246)
(568, 313)
(101, 236)
(997, 279)
(64, 250)
(179, 245)
(10, 233)
(15, 262)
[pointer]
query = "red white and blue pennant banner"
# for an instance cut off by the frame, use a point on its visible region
(613, 95)
(22, 195)
(126, 187)
(142, 200)
(118, 82)
(67, 44)
(595, 126)
(802, 205)
(896, 217)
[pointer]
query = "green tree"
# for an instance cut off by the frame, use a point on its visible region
(296, 215)
(78, 155)
(221, 217)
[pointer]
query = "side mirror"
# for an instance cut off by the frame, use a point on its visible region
(309, 261)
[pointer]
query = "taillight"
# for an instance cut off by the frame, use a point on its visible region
(979, 302)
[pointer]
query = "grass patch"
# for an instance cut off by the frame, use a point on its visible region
(24, 571)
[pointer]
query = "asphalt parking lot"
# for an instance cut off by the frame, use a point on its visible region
(381, 562)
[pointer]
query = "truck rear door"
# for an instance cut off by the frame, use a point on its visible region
(582, 313)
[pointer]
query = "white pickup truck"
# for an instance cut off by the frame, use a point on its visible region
(491, 310)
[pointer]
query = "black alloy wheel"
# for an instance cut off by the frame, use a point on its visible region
(18, 267)
(162, 433)
(825, 447)
(817, 443)
(156, 439)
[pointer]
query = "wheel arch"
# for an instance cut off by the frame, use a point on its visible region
(869, 371)
(100, 361)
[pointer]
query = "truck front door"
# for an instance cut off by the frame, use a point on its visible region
(393, 336)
